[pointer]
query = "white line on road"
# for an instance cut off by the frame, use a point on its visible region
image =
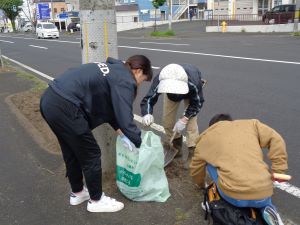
(35, 46)
(29, 68)
(73, 42)
(160, 43)
(214, 55)
(7, 41)
(287, 187)
(183, 52)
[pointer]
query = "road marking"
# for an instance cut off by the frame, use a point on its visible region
(72, 42)
(29, 68)
(289, 188)
(160, 43)
(7, 41)
(213, 55)
(182, 52)
(35, 46)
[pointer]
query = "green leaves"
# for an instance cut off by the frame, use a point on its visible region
(157, 3)
(11, 9)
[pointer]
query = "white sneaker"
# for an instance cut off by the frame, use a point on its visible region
(80, 197)
(105, 204)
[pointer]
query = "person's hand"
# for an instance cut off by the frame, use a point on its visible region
(127, 143)
(147, 120)
(180, 125)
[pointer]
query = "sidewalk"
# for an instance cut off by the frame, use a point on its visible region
(34, 191)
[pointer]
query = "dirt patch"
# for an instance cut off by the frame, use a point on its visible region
(28, 104)
(182, 207)
(6, 69)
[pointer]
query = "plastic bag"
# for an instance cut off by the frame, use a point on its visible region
(140, 175)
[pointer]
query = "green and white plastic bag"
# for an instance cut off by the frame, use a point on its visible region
(140, 174)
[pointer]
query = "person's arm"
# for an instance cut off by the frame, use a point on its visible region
(198, 169)
(122, 97)
(196, 100)
(151, 98)
(270, 139)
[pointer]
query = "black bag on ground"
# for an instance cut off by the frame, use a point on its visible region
(223, 213)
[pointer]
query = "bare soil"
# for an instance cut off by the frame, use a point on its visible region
(28, 104)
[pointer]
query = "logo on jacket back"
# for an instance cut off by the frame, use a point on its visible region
(103, 68)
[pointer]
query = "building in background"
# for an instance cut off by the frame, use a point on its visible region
(239, 7)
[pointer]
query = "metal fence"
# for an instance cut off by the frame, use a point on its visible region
(233, 20)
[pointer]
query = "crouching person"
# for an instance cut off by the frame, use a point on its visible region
(231, 151)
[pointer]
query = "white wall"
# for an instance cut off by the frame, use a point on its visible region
(126, 17)
(257, 28)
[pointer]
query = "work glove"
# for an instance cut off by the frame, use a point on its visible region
(127, 143)
(179, 126)
(147, 120)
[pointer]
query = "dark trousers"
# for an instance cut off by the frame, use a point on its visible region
(80, 150)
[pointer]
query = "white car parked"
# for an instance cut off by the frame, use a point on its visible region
(46, 30)
(27, 27)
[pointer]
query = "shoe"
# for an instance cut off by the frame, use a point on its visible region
(105, 204)
(80, 197)
(271, 216)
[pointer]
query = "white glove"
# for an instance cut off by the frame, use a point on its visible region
(147, 120)
(179, 126)
(127, 143)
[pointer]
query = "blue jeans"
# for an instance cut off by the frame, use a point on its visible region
(261, 203)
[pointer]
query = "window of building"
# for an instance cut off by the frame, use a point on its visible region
(55, 10)
(62, 9)
(277, 2)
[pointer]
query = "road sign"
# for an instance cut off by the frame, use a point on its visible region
(63, 16)
(43, 11)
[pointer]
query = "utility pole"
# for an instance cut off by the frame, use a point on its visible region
(30, 17)
(296, 19)
(170, 14)
(98, 41)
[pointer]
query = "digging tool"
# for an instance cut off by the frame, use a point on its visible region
(170, 151)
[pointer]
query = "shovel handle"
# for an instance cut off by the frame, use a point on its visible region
(172, 138)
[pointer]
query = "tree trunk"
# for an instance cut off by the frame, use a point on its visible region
(13, 24)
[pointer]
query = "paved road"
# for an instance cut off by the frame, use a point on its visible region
(250, 76)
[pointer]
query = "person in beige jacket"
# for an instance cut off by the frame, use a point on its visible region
(232, 152)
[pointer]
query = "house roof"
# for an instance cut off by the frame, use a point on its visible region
(129, 7)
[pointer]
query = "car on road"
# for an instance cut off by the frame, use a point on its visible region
(46, 30)
(27, 27)
(280, 14)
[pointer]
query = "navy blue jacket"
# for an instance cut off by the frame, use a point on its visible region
(195, 94)
(105, 92)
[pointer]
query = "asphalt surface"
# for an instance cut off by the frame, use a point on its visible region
(249, 76)
(34, 190)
